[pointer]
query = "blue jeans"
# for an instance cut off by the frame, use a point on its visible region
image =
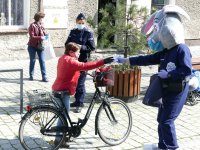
(66, 101)
(32, 53)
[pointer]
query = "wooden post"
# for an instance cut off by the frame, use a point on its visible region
(139, 81)
(131, 83)
(110, 89)
(126, 78)
(120, 83)
(115, 89)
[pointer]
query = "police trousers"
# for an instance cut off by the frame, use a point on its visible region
(80, 89)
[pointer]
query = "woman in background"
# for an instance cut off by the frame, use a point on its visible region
(37, 34)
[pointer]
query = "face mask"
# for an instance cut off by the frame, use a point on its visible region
(156, 46)
(77, 54)
(80, 26)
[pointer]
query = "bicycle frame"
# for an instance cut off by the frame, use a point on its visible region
(82, 122)
(53, 119)
(75, 127)
(91, 106)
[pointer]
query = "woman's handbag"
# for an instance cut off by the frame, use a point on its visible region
(41, 45)
(153, 95)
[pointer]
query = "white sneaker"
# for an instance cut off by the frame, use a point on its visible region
(149, 146)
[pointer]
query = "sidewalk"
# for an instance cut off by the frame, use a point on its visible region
(144, 129)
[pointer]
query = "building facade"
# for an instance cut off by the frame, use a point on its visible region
(16, 16)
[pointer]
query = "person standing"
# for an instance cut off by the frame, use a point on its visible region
(37, 35)
(84, 38)
(174, 59)
(68, 72)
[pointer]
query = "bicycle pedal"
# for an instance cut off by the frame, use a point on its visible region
(74, 124)
(80, 120)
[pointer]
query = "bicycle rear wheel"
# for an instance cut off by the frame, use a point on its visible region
(114, 121)
(38, 129)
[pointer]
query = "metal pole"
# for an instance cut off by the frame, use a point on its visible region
(21, 91)
(21, 85)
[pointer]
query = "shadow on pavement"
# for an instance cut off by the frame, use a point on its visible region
(10, 144)
(9, 80)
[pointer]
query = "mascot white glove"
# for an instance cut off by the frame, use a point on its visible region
(120, 59)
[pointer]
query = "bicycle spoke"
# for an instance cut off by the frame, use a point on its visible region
(114, 122)
(36, 132)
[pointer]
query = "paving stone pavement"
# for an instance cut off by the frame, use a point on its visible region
(144, 129)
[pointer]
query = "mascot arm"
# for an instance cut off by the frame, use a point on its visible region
(152, 59)
(184, 67)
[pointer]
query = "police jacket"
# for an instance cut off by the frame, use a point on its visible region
(84, 38)
(177, 61)
(68, 72)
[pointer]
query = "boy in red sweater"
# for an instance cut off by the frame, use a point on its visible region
(68, 72)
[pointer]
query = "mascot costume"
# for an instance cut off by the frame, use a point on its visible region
(165, 35)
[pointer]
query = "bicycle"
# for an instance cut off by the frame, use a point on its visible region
(113, 121)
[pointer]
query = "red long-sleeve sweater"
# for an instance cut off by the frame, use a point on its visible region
(68, 72)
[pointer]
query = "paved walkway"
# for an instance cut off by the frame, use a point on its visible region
(144, 129)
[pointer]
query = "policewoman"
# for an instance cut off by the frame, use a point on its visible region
(84, 38)
(174, 59)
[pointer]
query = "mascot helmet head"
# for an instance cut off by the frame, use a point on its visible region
(164, 28)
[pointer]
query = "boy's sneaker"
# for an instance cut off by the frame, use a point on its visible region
(150, 146)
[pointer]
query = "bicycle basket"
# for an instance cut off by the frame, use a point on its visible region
(104, 76)
(41, 97)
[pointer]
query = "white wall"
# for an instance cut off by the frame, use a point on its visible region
(142, 3)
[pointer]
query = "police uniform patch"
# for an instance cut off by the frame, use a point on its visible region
(170, 66)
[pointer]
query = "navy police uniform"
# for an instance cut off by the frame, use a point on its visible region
(84, 38)
(177, 61)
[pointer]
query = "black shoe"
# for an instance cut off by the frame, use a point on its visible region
(74, 104)
(78, 109)
(45, 80)
(31, 78)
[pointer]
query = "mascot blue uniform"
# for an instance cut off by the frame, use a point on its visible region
(82, 36)
(166, 37)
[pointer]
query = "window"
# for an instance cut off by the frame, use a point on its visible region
(12, 13)
(158, 4)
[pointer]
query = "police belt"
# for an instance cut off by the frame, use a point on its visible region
(175, 86)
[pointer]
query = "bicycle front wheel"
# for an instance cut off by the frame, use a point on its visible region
(39, 129)
(114, 121)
